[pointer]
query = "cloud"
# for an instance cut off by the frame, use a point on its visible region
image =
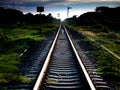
(57, 2)
(53, 5)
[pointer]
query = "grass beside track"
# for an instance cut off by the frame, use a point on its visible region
(13, 41)
(95, 37)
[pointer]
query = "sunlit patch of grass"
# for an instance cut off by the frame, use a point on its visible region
(9, 62)
(2, 78)
(24, 79)
(14, 78)
(51, 81)
(89, 33)
(109, 39)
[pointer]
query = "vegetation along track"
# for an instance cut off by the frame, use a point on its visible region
(63, 69)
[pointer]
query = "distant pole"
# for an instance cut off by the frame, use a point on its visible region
(68, 11)
(58, 16)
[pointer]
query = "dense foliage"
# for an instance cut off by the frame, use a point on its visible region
(11, 16)
(106, 16)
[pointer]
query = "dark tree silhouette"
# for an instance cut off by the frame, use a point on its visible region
(106, 16)
(11, 16)
(110, 12)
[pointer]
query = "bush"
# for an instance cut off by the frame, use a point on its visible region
(113, 36)
(99, 28)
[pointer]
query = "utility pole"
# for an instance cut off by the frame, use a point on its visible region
(68, 11)
(58, 16)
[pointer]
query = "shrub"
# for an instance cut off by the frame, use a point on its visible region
(99, 28)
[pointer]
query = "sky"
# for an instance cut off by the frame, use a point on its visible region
(56, 7)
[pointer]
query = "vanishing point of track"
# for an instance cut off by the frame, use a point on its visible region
(63, 68)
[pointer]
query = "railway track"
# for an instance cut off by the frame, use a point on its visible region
(64, 70)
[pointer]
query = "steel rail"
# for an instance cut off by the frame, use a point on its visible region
(80, 62)
(44, 69)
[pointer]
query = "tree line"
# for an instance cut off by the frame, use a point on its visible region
(107, 16)
(12, 16)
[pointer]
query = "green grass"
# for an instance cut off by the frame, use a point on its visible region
(13, 41)
(108, 65)
(110, 41)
